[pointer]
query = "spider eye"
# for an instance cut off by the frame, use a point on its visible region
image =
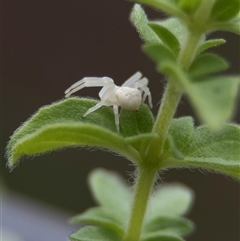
(129, 98)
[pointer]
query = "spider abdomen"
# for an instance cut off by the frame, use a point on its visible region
(129, 98)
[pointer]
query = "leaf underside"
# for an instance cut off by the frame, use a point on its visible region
(91, 233)
(100, 216)
(104, 184)
(62, 125)
(210, 44)
(202, 148)
(163, 220)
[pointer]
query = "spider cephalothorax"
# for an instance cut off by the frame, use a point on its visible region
(129, 95)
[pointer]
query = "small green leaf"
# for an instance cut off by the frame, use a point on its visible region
(170, 199)
(140, 21)
(213, 98)
(110, 191)
(209, 44)
(224, 144)
(175, 26)
(90, 233)
(158, 53)
(101, 217)
(169, 150)
(62, 125)
(181, 130)
(133, 123)
(162, 237)
(179, 135)
(224, 10)
(171, 225)
(141, 142)
(213, 151)
(172, 28)
(169, 7)
(189, 6)
(206, 64)
(167, 37)
(230, 26)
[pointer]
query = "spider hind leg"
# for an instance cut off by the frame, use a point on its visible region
(116, 116)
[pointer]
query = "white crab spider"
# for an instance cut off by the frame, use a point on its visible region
(129, 96)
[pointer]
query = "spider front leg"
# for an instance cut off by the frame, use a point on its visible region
(89, 82)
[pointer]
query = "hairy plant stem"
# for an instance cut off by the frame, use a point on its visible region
(188, 52)
(205, 7)
(143, 187)
(146, 175)
(170, 100)
(172, 96)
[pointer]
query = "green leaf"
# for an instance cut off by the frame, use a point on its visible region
(209, 44)
(158, 53)
(230, 26)
(175, 26)
(213, 98)
(141, 142)
(110, 191)
(171, 225)
(206, 64)
(224, 10)
(68, 110)
(181, 130)
(170, 7)
(133, 123)
(170, 199)
(170, 28)
(219, 165)
(169, 150)
(95, 234)
(167, 37)
(224, 144)
(101, 217)
(57, 136)
(213, 151)
(162, 237)
(189, 6)
(62, 125)
(140, 21)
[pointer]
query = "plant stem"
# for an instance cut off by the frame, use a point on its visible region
(147, 171)
(170, 100)
(143, 187)
(205, 7)
(172, 96)
(188, 52)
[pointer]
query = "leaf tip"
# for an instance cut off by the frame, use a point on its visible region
(12, 162)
